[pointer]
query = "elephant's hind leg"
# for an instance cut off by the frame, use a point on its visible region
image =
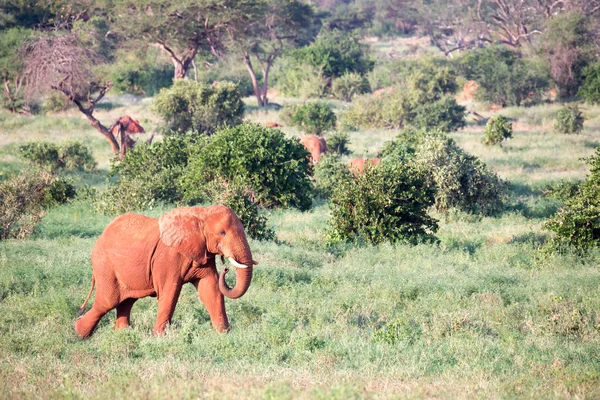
(123, 312)
(85, 325)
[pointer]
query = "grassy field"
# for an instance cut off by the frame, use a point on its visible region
(482, 314)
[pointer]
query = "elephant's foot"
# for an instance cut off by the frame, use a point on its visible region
(85, 325)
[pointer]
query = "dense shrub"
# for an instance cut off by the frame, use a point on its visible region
(337, 142)
(430, 77)
(70, 156)
(140, 78)
(403, 108)
(240, 199)
(56, 102)
(60, 191)
(300, 80)
(328, 173)
(497, 130)
(337, 53)
(443, 114)
(569, 119)
(348, 85)
(590, 89)
(577, 224)
(503, 77)
(263, 159)
(189, 106)
(386, 203)
(11, 66)
(461, 180)
(23, 199)
(149, 174)
(312, 118)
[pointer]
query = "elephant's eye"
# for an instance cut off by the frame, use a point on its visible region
(222, 233)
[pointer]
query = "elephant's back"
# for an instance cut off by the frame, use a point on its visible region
(129, 233)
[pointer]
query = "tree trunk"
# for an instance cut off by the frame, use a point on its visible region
(114, 145)
(257, 91)
(180, 71)
(266, 69)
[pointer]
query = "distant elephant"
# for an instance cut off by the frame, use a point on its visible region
(137, 256)
(272, 124)
(357, 166)
(315, 146)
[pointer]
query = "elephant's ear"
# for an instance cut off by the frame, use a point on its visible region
(183, 230)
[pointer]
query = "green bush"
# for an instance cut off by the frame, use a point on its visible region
(503, 77)
(240, 199)
(337, 142)
(149, 174)
(56, 102)
(312, 118)
(348, 85)
(444, 114)
(328, 173)
(577, 224)
(23, 199)
(263, 159)
(461, 180)
(70, 156)
(300, 80)
(337, 53)
(388, 203)
(60, 191)
(569, 119)
(189, 106)
(497, 130)
(590, 89)
(141, 78)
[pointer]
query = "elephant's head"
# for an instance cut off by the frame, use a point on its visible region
(199, 232)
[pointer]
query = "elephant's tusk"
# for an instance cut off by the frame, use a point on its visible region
(237, 264)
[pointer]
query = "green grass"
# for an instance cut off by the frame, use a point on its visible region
(481, 314)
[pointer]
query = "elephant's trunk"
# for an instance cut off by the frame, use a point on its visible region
(243, 276)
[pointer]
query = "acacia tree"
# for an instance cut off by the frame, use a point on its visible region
(181, 29)
(279, 24)
(60, 63)
(11, 68)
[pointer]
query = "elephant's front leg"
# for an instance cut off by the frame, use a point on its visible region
(210, 295)
(167, 300)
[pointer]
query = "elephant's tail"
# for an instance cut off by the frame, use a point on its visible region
(82, 308)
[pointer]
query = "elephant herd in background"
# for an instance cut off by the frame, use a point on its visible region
(138, 256)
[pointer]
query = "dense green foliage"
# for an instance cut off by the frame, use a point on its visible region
(387, 203)
(337, 142)
(12, 97)
(577, 224)
(275, 168)
(569, 119)
(590, 89)
(70, 156)
(313, 118)
(349, 85)
(497, 130)
(139, 76)
(461, 180)
(444, 114)
(190, 106)
(23, 198)
(503, 77)
(328, 173)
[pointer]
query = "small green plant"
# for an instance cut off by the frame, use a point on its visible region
(337, 142)
(497, 130)
(569, 120)
(70, 156)
(348, 85)
(387, 203)
(188, 106)
(263, 159)
(313, 118)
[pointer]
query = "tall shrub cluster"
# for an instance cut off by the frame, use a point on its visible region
(188, 106)
(313, 118)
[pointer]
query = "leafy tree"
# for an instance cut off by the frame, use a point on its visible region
(569, 119)
(11, 68)
(182, 29)
(497, 130)
(279, 25)
(190, 106)
(313, 118)
(568, 47)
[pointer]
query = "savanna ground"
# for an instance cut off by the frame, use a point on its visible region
(482, 314)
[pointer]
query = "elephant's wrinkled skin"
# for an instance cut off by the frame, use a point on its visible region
(137, 256)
